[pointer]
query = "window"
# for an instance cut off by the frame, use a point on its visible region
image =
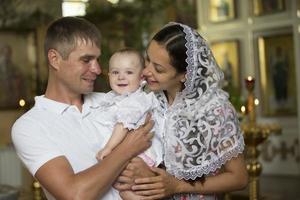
(74, 7)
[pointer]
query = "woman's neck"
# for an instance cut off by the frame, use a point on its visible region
(171, 95)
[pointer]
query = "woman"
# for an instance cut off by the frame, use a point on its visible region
(203, 143)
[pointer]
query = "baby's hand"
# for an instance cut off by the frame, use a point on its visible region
(103, 153)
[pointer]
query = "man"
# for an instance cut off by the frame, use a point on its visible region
(57, 139)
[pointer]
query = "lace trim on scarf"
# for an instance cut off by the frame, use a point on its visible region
(211, 167)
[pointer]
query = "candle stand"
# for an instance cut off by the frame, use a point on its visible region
(254, 134)
(37, 191)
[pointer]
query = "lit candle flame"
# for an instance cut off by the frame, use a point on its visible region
(249, 78)
(256, 102)
(243, 109)
(22, 102)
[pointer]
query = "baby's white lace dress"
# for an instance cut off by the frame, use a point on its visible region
(131, 110)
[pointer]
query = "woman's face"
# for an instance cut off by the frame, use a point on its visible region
(159, 73)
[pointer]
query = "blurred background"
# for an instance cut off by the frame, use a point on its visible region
(259, 39)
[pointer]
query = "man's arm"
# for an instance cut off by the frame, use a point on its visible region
(58, 177)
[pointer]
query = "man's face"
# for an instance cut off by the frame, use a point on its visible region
(125, 73)
(79, 71)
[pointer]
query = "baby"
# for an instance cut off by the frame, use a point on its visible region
(126, 106)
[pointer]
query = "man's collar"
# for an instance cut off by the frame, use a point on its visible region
(90, 101)
(93, 100)
(49, 104)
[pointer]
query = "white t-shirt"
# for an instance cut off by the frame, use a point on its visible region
(51, 129)
(130, 110)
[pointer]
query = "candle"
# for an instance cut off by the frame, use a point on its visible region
(250, 83)
(250, 79)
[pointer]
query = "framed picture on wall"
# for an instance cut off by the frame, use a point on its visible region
(227, 56)
(221, 10)
(17, 68)
(265, 7)
(277, 74)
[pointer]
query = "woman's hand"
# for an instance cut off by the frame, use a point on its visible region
(160, 186)
(137, 168)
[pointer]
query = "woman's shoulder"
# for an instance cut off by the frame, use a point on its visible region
(216, 105)
(216, 99)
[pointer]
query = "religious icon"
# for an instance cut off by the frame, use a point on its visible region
(221, 10)
(277, 69)
(279, 64)
(17, 69)
(263, 7)
(227, 57)
(226, 54)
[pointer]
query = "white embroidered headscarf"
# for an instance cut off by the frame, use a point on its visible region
(202, 129)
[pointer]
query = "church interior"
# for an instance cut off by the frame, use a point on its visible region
(255, 42)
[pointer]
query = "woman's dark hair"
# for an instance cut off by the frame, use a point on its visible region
(173, 38)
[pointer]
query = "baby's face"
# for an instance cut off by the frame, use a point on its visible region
(125, 73)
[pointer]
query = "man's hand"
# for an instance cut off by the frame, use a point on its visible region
(160, 186)
(137, 168)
